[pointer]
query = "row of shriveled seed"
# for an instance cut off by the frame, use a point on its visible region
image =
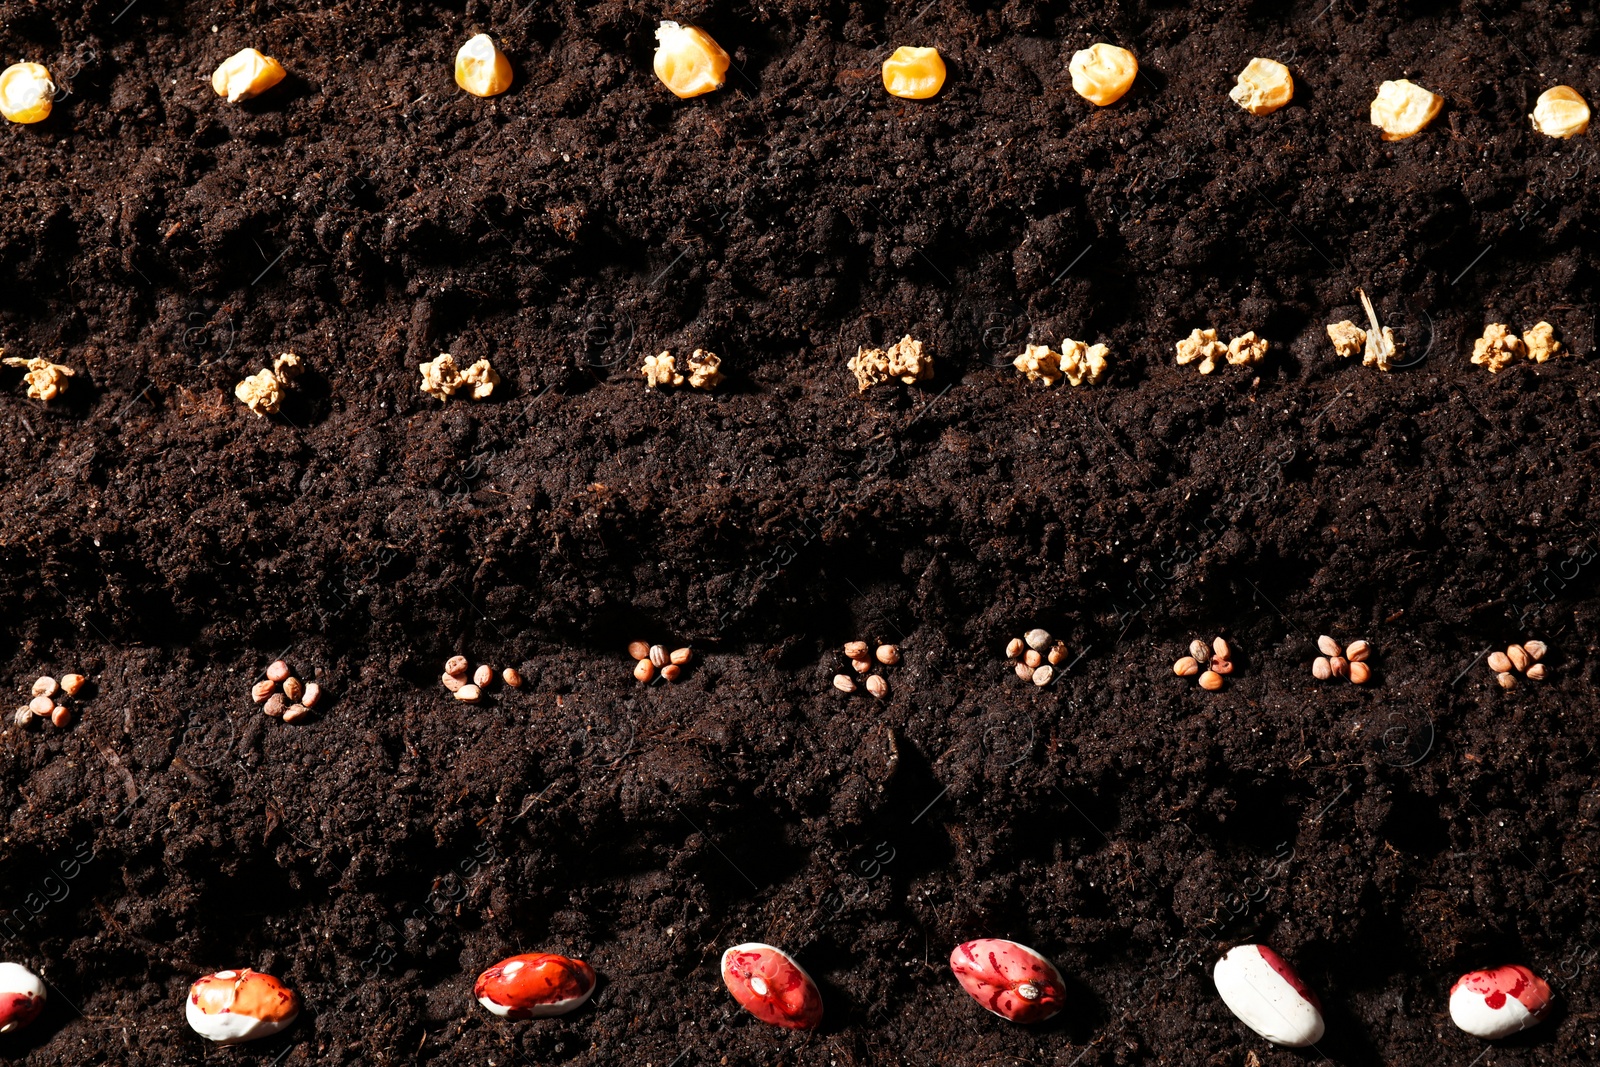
(470, 690)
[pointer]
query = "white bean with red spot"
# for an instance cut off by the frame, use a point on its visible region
(1498, 1002)
(1268, 996)
(233, 1006)
(21, 997)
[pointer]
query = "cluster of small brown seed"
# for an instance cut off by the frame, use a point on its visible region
(1219, 663)
(45, 701)
(650, 659)
(1523, 658)
(471, 690)
(857, 653)
(1349, 661)
(296, 700)
(1036, 655)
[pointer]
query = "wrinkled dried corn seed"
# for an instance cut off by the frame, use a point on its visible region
(1187, 667)
(469, 694)
(1358, 651)
(1211, 680)
(1540, 341)
(680, 656)
(1359, 673)
(1103, 73)
(1264, 86)
(638, 650)
(1014, 648)
(1320, 669)
(844, 683)
(1519, 657)
(481, 68)
(482, 676)
(1348, 338)
(1499, 662)
(1201, 345)
(877, 687)
(1327, 645)
(71, 684)
(246, 73)
(1560, 112)
(688, 61)
(855, 649)
(888, 655)
(644, 670)
(26, 93)
(1402, 109)
(1497, 347)
(913, 73)
(261, 691)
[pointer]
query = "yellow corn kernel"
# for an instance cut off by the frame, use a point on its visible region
(246, 73)
(1402, 109)
(688, 61)
(481, 68)
(26, 92)
(1561, 112)
(1264, 86)
(1102, 73)
(913, 73)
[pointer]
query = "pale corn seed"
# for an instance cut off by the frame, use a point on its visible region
(1519, 657)
(1506, 679)
(468, 694)
(672, 672)
(245, 74)
(312, 695)
(1499, 662)
(862, 666)
(45, 686)
(688, 61)
(1320, 669)
(451, 682)
(1360, 672)
(1402, 109)
(1057, 653)
(483, 676)
(274, 705)
(293, 688)
(681, 656)
(1043, 674)
(1535, 650)
(658, 656)
(856, 649)
(295, 712)
(511, 677)
(877, 687)
(72, 683)
(481, 68)
(1032, 658)
(1103, 73)
(1211, 680)
(277, 671)
(1014, 648)
(41, 705)
(456, 665)
(1536, 672)
(1358, 651)
(1037, 640)
(1187, 667)
(844, 683)
(1024, 672)
(913, 73)
(1560, 112)
(1338, 666)
(638, 650)
(261, 691)
(60, 715)
(1198, 650)
(1264, 86)
(26, 92)
(1220, 647)
(1327, 645)
(644, 670)
(888, 655)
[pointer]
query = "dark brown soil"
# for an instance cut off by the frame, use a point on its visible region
(368, 216)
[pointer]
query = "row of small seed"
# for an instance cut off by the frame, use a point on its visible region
(471, 691)
(648, 659)
(296, 700)
(856, 652)
(1037, 656)
(43, 703)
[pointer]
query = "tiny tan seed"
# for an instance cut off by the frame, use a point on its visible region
(1198, 650)
(1032, 658)
(261, 690)
(877, 687)
(1037, 639)
(1043, 674)
(1186, 667)
(672, 672)
(644, 670)
(1211, 680)
(1506, 679)
(72, 683)
(680, 656)
(856, 649)
(274, 705)
(1535, 650)
(638, 650)
(1338, 666)
(658, 656)
(511, 677)
(41, 705)
(483, 675)
(1014, 648)
(1499, 662)
(293, 688)
(844, 683)
(1519, 657)
(456, 665)
(1536, 672)
(1057, 654)
(451, 682)
(888, 655)
(295, 712)
(278, 671)
(1327, 645)
(1358, 651)
(1360, 672)
(1220, 647)
(468, 694)
(862, 666)
(60, 715)
(312, 695)
(1320, 669)
(45, 686)
(1024, 672)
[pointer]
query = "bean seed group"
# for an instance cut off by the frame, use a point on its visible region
(46, 698)
(296, 699)
(1523, 659)
(650, 660)
(861, 654)
(1211, 662)
(1036, 655)
(1348, 661)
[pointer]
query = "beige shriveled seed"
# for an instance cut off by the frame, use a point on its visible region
(511, 677)
(1327, 646)
(1187, 667)
(312, 695)
(60, 716)
(261, 392)
(1338, 666)
(44, 686)
(644, 670)
(1536, 672)
(1320, 670)
(672, 672)
(261, 690)
(705, 369)
(1043, 674)
(908, 362)
(1358, 651)
(1497, 347)
(1039, 363)
(862, 665)
(1246, 349)
(41, 705)
(72, 684)
(277, 671)
(1199, 650)
(681, 656)
(1082, 362)
(1541, 342)
(1014, 648)
(1024, 672)
(1535, 649)
(469, 694)
(1519, 657)
(22, 717)
(638, 650)
(1560, 111)
(888, 655)
(1348, 338)
(483, 676)
(1032, 658)
(1201, 345)
(1211, 680)
(1381, 346)
(1499, 662)
(452, 682)
(658, 656)
(274, 705)
(844, 683)
(295, 712)
(1403, 109)
(877, 686)
(1264, 86)
(1506, 679)
(1359, 673)
(293, 688)
(856, 649)
(1058, 652)
(456, 665)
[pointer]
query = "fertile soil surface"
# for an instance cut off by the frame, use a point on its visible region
(367, 215)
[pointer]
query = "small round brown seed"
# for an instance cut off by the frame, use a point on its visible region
(1043, 674)
(294, 689)
(1058, 653)
(1327, 646)
(1499, 662)
(1037, 640)
(638, 650)
(877, 686)
(1535, 650)
(1506, 679)
(681, 656)
(468, 694)
(23, 717)
(856, 649)
(274, 705)
(1025, 672)
(45, 686)
(312, 695)
(1032, 658)
(1536, 672)
(1186, 667)
(277, 671)
(1220, 647)
(295, 712)
(862, 666)
(888, 655)
(1358, 652)
(658, 656)
(60, 715)
(262, 690)
(456, 665)
(1320, 669)
(644, 670)
(451, 682)
(483, 675)
(1360, 672)
(72, 683)
(1338, 666)
(1211, 680)
(844, 683)
(672, 672)
(41, 705)
(1198, 650)
(1014, 648)
(511, 677)
(1519, 657)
